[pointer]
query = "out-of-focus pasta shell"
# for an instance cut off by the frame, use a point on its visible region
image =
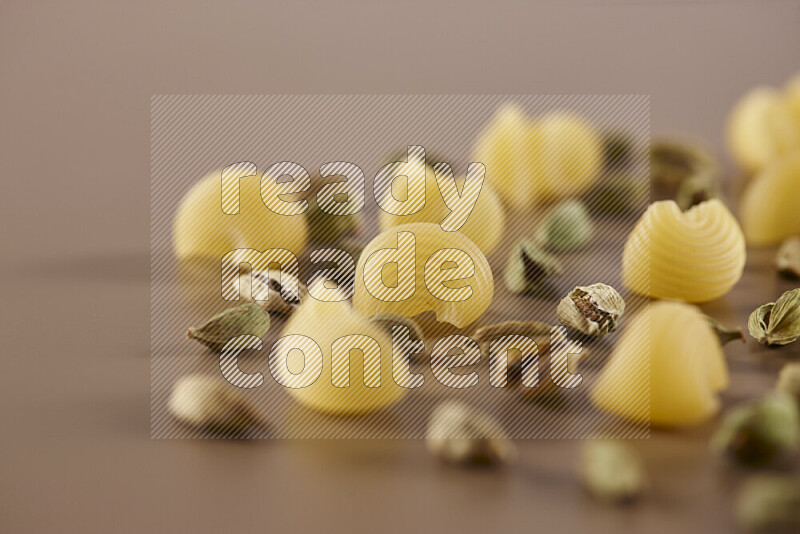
(697, 255)
(430, 240)
(667, 368)
(484, 226)
(770, 209)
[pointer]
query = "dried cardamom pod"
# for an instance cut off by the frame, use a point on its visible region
(618, 194)
(267, 288)
(725, 335)
(567, 227)
(759, 433)
(618, 149)
(787, 261)
(592, 310)
(529, 267)
(611, 471)
(789, 380)
(672, 162)
(324, 226)
(247, 319)
(212, 404)
(777, 323)
(769, 503)
(461, 435)
(539, 332)
(696, 189)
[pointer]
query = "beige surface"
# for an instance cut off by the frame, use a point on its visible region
(76, 79)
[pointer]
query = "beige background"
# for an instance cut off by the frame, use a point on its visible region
(76, 79)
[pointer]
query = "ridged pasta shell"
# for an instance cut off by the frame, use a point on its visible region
(666, 368)
(339, 389)
(770, 208)
(459, 302)
(697, 255)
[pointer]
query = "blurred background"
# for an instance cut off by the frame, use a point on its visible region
(76, 81)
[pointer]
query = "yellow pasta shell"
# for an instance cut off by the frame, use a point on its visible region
(696, 256)
(201, 228)
(484, 227)
(430, 242)
(530, 160)
(667, 368)
(325, 323)
(770, 208)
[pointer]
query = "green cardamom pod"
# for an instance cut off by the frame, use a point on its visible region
(777, 323)
(769, 503)
(246, 319)
(567, 227)
(592, 310)
(618, 149)
(212, 404)
(529, 267)
(760, 433)
(618, 195)
(696, 189)
(672, 162)
(611, 471)
(787, 261)
(725, 335)
(459, 434)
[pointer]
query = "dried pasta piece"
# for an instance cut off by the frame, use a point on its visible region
(201, 228)
(667, 368)
(770, 205)
(697, 255)
(529, 160)
(355, 355)
(484, 226)
(418, 267)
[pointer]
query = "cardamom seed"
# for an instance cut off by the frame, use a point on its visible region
(725, 335)
(759, 433)
(789, 380)
(592, 310)
(769, 503)
(270, 290)
(213, 405)
(611, 471)
(246, 319)
(529, 267)
(787, 261)
(777, 323)
(459, 434)
(567, 227)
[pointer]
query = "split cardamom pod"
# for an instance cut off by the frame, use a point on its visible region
(769, 503)
(618, 195)
(269, 289)
(611, 471)
(459, 434)
(592, 310)
(759, 433)
(673, 162)
(212, 404)
(696, 189)
(787, 261)
(725, 335)
(246, 319)
(567, 227)
(618, 149)
(777, 323)
(789, 380)
(529, 267)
